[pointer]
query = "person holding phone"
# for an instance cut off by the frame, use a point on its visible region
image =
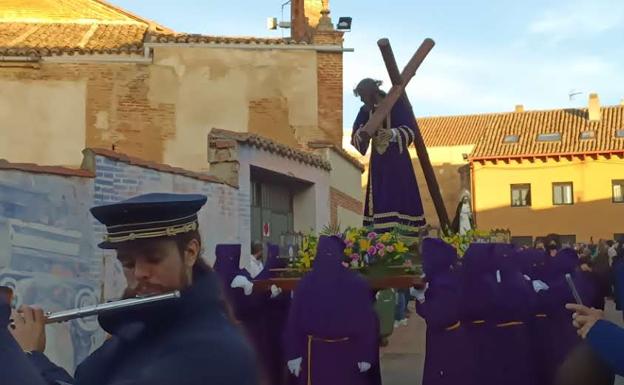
(604, 337)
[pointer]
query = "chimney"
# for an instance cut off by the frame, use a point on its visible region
(594, 107)
(305, 16)
(519, 108)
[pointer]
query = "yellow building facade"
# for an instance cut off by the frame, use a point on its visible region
(554, 171)
(595, 211)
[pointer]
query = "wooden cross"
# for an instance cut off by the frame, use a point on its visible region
(399, 82)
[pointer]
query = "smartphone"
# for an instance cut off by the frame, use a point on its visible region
(575, 293)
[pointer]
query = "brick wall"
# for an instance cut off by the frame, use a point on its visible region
(339, 199)
(118, 110)
(219, 219)
(330, 96)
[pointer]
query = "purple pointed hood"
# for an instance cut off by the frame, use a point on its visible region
(438, 256)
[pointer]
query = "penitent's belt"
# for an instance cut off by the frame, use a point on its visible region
(311, 339)
(454, 326)
(509, 324)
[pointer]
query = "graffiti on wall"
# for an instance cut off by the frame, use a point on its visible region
(46, 255)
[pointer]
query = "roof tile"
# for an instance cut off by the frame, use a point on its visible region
(216, 135)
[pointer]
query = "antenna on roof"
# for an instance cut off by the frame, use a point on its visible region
(573, 93)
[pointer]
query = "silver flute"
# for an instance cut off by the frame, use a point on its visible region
(86, 311)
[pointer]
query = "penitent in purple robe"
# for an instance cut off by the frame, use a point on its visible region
(275, 313)
(533, 261)
(248, 310)
(562, 337)
(447, 354)
(392, 195)
(513, 300)
(331, 324)
(478, 311)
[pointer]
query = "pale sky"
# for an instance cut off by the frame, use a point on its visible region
(489, 54)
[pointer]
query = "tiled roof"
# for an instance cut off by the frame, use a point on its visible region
(52, 170)
(48, 39)
(569, 123)
(151, 165)
(340, 151)
(61, 10)
(55, 27)
(187, 38)
(443, 131)
(271, 146)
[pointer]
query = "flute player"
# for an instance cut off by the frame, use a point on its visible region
(187, 341)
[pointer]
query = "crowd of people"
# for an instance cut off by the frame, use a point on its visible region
(499, 315)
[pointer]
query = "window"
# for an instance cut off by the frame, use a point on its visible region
(511, 139)
(562, 194)
(619, 133)
(520, 195)
(618, 191)
(587, 135)
(550, 137)
(522, 241)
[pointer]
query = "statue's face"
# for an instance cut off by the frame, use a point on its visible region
(465, 199)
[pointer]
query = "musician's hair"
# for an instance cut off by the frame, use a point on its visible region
(183, 239)
(201, 266)
(368, 83)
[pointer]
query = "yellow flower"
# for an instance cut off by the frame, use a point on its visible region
(385, 237)
(364, 244)
(400, 247)
(348, 251)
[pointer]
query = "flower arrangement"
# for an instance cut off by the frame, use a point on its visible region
(368, 248)
(363, 249)
(461, 242)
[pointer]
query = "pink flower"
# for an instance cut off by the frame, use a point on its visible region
(381, 253)
(372, 235)
(349, 244)
(380, 246)
(372, 250)
(390, 249)
(355, 256)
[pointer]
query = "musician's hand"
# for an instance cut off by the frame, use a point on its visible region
(28, 328)
(584, 318)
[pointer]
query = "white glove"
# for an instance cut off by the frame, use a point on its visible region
(294, 366)
(275, 291)
(498, 276)
(527, 277)
(364, 366)
(419, 294)
(241, 281)
(539, 285)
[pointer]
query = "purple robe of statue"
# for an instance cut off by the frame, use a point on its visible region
(392, 195)
(331, 324)
(513, 298)
(478, 311)
(562, 336)
(447, 354)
